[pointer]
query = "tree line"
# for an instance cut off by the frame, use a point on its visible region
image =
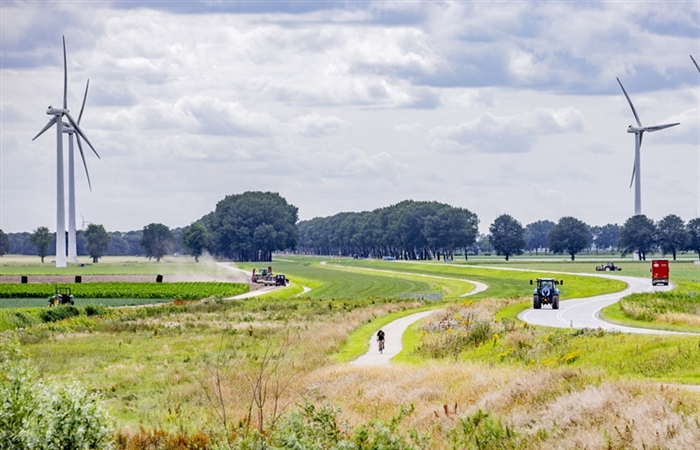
(407, 230)
(639, 234)
(244, 227)
(252, 225)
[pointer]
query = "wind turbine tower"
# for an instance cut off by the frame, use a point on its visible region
(636, 169)
(57, 119)
(70, 131)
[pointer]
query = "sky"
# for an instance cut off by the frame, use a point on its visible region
(498, 107)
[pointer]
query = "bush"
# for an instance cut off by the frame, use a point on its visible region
(59, 313)
(95, 310)
(41, 416)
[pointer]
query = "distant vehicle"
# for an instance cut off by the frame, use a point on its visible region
(389, 258)
(546, 293)
(261, 274)
(62, 296)
(607, 267)
(281, 280)
(659, 272)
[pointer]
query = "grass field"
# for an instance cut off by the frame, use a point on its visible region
(173, 368)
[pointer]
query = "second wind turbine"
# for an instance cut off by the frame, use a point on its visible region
(636, 169)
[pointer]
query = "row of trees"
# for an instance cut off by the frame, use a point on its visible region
(245, 227)
(570, 236)
(407, 230)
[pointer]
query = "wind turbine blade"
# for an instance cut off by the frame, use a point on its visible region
(694, 62)
(82, 155)
(65, 76)
(48, 125)
(80, 133)
(634, 167)
(634, 111)
(80, 116)
(660, 127)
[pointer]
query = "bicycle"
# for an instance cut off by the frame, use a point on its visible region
(381, 346)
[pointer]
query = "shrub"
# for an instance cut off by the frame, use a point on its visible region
(41, 416)
(481, 430)
(59, 313)
(95, 310)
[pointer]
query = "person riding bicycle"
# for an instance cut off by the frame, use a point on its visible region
(380, 340)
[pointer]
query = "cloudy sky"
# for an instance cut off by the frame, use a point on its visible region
(498, 107)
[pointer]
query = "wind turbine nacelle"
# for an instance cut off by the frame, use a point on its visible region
(631, 129)
(56, 111)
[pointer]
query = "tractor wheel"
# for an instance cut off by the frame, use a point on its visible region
(607, 269)
(555, 302)
(536, 302)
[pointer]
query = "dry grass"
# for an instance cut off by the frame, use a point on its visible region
(548, 408)
(692, 320)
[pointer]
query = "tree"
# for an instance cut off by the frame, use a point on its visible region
(156, 240)
(450, 229)
(608, 237)
(569, 235)
(638, 234)
(507, 236)
(250, 226)
(673, 235)
(4, 243)
(194, 239)
(41, 238)
(97, 241)
(694, 235)
(536, 235)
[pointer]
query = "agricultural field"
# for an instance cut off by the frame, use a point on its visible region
(190, 374)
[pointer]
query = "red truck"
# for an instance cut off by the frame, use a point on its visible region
(659, 272)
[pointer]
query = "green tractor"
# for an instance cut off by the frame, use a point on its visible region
(61, 297)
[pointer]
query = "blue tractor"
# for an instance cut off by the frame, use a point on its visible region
(546, 293)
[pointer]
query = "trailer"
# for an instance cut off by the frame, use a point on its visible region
(659, 272)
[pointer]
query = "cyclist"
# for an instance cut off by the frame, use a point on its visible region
(380, 340)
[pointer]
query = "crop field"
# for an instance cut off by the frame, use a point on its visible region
(157, 291)
(167, 374)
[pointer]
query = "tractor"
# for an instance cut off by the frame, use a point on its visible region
(546, 293)
(607, 267)
(61, 297)
(261, 274)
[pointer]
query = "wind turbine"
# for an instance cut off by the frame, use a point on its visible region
(57, 119)
(636, 169)
(70, 131)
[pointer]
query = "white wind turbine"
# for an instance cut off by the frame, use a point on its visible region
(636, 169)
(70, 131)
(57, 119)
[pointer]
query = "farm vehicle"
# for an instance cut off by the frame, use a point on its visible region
(546, 293)
(607, 267)
(62, 296)
(261, 274)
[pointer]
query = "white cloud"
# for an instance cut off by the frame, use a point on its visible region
(489, 133)
(316, 125)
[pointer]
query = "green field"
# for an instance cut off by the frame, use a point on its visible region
(156, 367)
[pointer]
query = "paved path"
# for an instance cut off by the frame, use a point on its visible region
(394, 332)
(585, 312)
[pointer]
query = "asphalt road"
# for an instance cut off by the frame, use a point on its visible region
(585, 312)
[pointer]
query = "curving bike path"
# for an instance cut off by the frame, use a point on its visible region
(394, 332)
